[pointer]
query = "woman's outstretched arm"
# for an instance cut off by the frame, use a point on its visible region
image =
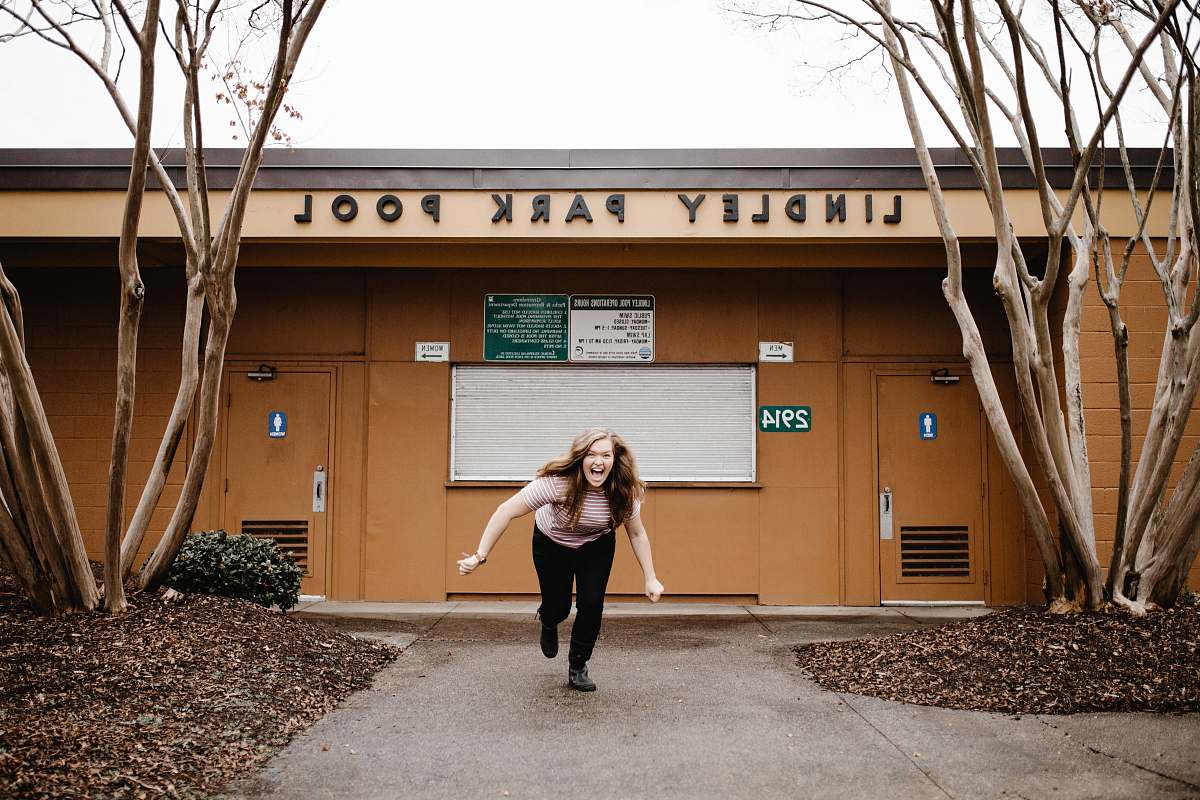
(640, 542)
(504, 514)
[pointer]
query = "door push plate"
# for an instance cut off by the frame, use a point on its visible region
(885, 513)
(318, 496)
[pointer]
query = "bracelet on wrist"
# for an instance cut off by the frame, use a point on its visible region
(482, 558)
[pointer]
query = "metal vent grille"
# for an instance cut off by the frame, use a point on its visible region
(935, 551)
(291, 536)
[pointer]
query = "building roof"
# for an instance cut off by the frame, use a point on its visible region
(316, 169)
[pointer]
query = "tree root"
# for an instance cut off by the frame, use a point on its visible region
(1134, 607)
(1061, 605)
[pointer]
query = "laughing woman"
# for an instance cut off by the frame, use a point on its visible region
(580, 499)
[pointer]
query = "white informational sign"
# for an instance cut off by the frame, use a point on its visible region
(433, 351)
(611, 327)
(776, 351)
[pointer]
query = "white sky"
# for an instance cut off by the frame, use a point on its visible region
(470, 74)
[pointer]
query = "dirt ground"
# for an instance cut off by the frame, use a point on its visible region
(1023, 660)
(168, 700)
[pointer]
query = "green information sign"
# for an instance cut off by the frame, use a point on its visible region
(777, 419)
(525, 327)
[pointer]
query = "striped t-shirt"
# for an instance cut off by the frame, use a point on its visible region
(547, 496)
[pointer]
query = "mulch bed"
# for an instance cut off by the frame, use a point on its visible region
(168, 700)
(1025, 661)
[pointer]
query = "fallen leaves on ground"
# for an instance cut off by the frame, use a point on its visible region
(172, 699)
(1024, 660)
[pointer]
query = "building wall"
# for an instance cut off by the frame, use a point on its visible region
(804, 534)
(1144, 312)
(70, 329)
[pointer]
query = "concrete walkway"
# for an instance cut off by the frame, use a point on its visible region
(707, 704)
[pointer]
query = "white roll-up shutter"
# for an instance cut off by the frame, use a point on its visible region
(684, 423)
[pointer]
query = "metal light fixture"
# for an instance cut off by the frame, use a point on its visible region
(943, 377)
(265, 372)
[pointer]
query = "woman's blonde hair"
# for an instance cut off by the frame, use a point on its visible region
(623, 485)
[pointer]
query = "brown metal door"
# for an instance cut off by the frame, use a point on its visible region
(277, 464)
(931, 487)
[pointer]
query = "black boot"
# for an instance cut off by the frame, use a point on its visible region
(549, 640)
(577, 678)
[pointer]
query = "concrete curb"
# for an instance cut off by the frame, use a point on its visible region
(526, 608)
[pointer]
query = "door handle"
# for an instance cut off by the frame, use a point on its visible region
(885, 513)
(318, 492)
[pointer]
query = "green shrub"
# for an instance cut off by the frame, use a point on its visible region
(214, 562)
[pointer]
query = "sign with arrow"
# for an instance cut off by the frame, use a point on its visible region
(433, 351)
(776, 351)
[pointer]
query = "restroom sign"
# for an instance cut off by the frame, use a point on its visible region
(277, 424)
(782, 352)
(432, 351)
(927, 425)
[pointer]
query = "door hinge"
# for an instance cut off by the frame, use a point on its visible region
(227, 486)
(229, 398)
(983, 489)
(987, 578)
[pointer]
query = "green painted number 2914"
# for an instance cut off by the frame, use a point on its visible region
(776, 419)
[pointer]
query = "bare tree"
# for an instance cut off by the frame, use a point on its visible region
(39, 534)
(975, 64)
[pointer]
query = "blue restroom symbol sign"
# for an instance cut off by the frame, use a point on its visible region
(927, 425)
(277, 424)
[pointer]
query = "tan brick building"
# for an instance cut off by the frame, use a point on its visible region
(418, 331)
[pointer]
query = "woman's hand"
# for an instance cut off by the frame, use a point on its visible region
(467, 565)
(654, 589)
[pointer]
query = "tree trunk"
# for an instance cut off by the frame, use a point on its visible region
(1010, 452)
(23, 495)
(158, 566)
(1076, 427)
(1024, 366)
(133, 293)
(1167, 581)
(1166, 571)
(1120, 334)
(38, 477)
(973, 349)
(18, 551)
(1174, 395)
(188, 379)
(1073, 430)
